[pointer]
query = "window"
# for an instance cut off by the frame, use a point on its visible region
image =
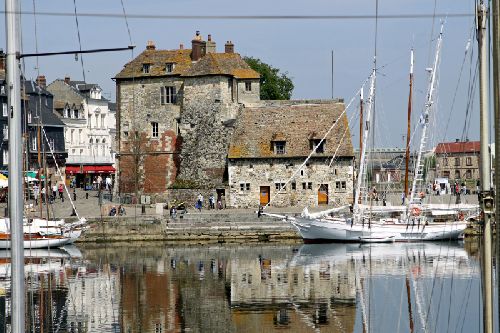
(167, 95)
(103, 117)
(309, 186)
(51, 145)
(457, 161)
(29, 117)
(304, 186)
(468, 161)
(457, 174)
(320, 146)
(169, 67)
(5, 132)
(146, 68)
(248, 86)
(4, 110)
(468, 174)
(75, 114)
(294, 186)
(445, 161)
(66, 113)
(340, 185)
(280, 186)
(244, 187)
(5, 156)
(125, 134)
(2, 89)
(446, 174)
(279, 147)
(155, 129)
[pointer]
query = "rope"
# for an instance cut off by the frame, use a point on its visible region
(79, 41)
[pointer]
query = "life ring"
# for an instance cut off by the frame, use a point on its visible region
(415, 211)
(421, 195)
(461, 216)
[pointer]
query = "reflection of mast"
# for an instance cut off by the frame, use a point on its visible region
(407, 160)
(408, 297)
(361, 120)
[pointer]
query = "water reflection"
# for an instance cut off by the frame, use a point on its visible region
(251, 288)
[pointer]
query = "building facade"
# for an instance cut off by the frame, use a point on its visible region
(458, 160)
(88, 134)
(271, 143)
(175, 115)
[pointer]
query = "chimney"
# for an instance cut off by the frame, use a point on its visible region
(41, 81)
(2, 60)
(150, 45)
(211, 46)
(457, 140)
(67, 80)
(181, 46)
(229, 47)
(198, 47)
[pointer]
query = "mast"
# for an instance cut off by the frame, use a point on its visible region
(424, 118)
(408, 132)
(12, 20)
(361, 119)
(486, 197)
(366, 131)
(495, 6)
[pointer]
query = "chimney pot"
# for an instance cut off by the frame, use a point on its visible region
(209, 37)
(181, 46)
(229, 47)
(150, 45)
(41, 81)
(457, 140)
(198, 49)
(67, 80)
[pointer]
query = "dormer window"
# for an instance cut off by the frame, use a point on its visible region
(320, 145)
(279, 147)
(146, 68)
(169, 67)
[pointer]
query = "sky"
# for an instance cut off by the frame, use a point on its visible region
(300, 47)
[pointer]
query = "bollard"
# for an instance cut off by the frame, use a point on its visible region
(6, 211)
(143, 209)
(87, 195)
(74, 196)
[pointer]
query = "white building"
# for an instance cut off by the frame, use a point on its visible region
(89, 127)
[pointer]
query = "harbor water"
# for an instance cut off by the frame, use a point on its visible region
(263, 287)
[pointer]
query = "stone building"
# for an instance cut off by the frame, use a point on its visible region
(88, 129)
(175, 111)
(458, 160)
(272, 141)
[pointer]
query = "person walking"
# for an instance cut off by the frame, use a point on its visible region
(36, 193)
(211, 201)
(54, 192)
(402, 198)
(199, 202)
(60, 190)
(43, 194)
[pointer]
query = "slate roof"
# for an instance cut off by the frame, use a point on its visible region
(458, 147)
(230, 64)
(257, 127)
(210, 64)
(48, 116)
(64, 93)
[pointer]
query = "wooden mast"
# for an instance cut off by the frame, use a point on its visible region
(408, 132)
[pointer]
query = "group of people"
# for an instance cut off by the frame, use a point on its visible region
(99, 183)
(54, 189)
(114, 212)
(455, 188)
(221, 202)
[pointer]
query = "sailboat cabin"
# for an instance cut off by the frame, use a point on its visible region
(270, 144)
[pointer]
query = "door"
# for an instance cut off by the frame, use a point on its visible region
(323, 194)
(265, 195)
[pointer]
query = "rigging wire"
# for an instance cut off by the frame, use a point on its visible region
(79, 40)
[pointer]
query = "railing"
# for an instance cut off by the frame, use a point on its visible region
(89, 159)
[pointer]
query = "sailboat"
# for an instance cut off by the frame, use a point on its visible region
(412, 222)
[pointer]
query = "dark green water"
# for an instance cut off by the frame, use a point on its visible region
(155, 287)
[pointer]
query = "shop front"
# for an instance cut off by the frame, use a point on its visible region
(88, 176)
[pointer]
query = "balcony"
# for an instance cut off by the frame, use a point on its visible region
(89, 159)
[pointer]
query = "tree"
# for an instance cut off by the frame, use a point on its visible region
(273, 84)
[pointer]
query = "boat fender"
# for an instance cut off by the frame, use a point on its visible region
(415, 211)
(461, 216)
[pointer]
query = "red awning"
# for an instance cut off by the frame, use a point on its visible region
(72, 169)
(98, 168)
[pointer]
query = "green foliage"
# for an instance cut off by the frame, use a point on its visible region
(273, 84)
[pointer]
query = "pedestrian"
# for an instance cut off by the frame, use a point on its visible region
(108, 183)
(121, 210)
(211, 201)
(60, 189)
(223, 201)
(402, 198)
(112, 212)
(199, 202)
(99, 182)
(43, 194)
(36, 193)
(54, 192)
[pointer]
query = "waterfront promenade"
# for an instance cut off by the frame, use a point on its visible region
(229, 224)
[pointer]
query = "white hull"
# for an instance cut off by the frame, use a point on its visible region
(315, 230)
(41, 243)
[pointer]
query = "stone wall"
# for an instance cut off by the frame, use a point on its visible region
(208, 112)
(147, 164)
(251, 96)
(273, 171)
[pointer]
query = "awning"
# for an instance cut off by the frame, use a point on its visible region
(98, 168)
(72, 169)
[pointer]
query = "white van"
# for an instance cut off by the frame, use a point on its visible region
(442, 185)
